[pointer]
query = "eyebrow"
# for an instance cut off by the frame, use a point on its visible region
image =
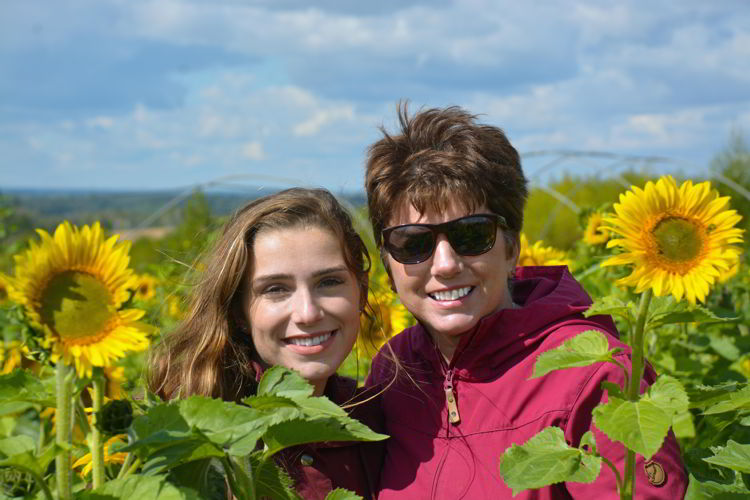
(282, 276)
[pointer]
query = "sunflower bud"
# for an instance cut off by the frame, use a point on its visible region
(16, 483)
(115, 417)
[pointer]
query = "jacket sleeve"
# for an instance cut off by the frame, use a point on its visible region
(663, 477)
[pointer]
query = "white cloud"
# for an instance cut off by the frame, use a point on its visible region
(253, 150)
(102, 122)
(323, 117)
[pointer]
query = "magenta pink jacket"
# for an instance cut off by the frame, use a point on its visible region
(427, 457)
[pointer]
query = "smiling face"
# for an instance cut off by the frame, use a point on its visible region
(303, 302)
(449, 293)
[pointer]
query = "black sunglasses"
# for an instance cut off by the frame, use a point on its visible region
(471, 235)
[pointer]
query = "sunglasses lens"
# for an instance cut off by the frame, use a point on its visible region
(410, 244)
(472, 235)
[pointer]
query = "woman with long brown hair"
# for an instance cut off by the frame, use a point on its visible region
(285, 284)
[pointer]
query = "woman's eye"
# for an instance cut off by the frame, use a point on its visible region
(273, 290)
(327, 282)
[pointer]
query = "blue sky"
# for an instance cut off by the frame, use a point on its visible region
(132, 94)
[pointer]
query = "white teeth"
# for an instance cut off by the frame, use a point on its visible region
(309, 341)
(454, 294)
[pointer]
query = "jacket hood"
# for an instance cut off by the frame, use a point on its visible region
(546, 296)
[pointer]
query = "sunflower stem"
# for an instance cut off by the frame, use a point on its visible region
(97, 448)
(633, 390)
(63, 462)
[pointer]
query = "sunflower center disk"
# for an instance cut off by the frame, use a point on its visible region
(77, 306)
(678, 240)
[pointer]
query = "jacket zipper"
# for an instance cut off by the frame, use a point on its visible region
(450, 398)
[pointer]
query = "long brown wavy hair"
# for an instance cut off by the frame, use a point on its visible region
(210, 352)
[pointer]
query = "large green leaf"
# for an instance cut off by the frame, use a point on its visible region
(547, 459)
(204, 476)
(734, 456)
(739, 400)
(584, 349)
(224, 424)
(317, 429)
(643, 425)
(139, 487)
(613, 306)
(180, 453)
(665, 310)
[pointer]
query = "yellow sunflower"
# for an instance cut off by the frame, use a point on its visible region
(595, 233)
(678, 240)
(539, 255)
(71, 286)
(109, 458)
(145, 287)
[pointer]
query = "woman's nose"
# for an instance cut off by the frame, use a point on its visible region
(306, 309)
(445, 261)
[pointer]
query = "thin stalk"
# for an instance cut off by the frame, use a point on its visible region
(229, 472)
(638, 366)
(63, 462)
(128, 459)
(614, 469)
(97, 448)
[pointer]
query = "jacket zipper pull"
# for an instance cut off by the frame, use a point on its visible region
(450, 399)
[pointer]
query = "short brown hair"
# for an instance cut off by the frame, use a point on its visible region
(210, 351)
(441, 156)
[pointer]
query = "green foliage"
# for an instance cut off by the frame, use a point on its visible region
(140, 487)
(643, 425)
(547, 459)
(584, 349)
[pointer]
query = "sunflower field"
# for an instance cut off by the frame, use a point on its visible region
(80, 306)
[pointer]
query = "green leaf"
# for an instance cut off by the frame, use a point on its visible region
(703, 396)
(29, 460)
(271, 480)
(546, 459)
(203, 476)
(643, 425)
(24, 386)
(584, 349)
(197, 418)
(725, 347)
(314, 429)
(138, 487)
(739, 400)
(280, 381)
(178, 454)
(702, 470)
(16, 444)
(612, 306)
(665, 310)
(342, 494)
(698, 490)
(734, 456)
